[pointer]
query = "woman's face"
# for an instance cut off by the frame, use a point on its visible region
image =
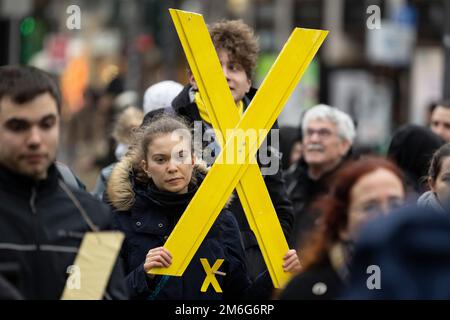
(375, 193)
(441, 186)
(169, 162)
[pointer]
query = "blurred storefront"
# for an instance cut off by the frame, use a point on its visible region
(383, 67)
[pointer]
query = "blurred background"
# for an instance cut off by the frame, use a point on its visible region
(386, 68)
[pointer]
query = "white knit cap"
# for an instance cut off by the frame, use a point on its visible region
(160, 95)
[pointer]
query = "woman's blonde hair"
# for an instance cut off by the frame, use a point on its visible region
(127, 122)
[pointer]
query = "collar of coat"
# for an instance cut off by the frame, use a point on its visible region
(15, 182)
(184, 105)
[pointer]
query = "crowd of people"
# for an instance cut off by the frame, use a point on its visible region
(340, 212)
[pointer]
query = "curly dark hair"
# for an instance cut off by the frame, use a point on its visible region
(239, 40)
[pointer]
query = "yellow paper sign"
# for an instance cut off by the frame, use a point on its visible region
(90, 273)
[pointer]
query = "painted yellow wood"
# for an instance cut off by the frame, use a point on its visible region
(225, 176)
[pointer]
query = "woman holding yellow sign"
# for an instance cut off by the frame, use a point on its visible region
(149, 190)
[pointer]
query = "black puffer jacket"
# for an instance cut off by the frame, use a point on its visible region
(148, 216)
(41, 230)
(184, 107)
(304, 192)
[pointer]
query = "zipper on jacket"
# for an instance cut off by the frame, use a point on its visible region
(35, 218)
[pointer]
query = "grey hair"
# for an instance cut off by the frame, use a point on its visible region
(343, 122)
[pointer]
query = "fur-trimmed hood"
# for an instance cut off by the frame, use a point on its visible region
(120, 191)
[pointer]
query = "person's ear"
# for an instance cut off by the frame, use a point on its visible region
(345, 147)
(145, 167)
(192, 81)
(249, 82)
(431, 184)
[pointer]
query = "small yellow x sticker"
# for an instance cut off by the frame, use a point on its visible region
(211, 275)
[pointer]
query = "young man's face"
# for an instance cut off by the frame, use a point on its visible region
(440, 122)
(237, 79)
(29, 134)
(235, 74)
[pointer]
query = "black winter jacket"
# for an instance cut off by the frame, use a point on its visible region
(321, 282)
(41, 230)
(304, 192)
(148, 223)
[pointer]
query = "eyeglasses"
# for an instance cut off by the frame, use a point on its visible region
(322, 133)
(375, 208)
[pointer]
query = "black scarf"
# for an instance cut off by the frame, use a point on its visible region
(173, 203)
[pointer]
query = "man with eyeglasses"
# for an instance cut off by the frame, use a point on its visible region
(328, 135)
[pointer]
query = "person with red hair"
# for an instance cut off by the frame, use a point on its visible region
(361, 191)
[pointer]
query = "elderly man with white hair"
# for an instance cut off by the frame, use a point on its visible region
(328, 135)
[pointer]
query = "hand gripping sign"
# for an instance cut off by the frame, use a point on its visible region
(244, 176)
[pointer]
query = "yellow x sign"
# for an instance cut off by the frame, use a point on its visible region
(245, 177)
(211, 275)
